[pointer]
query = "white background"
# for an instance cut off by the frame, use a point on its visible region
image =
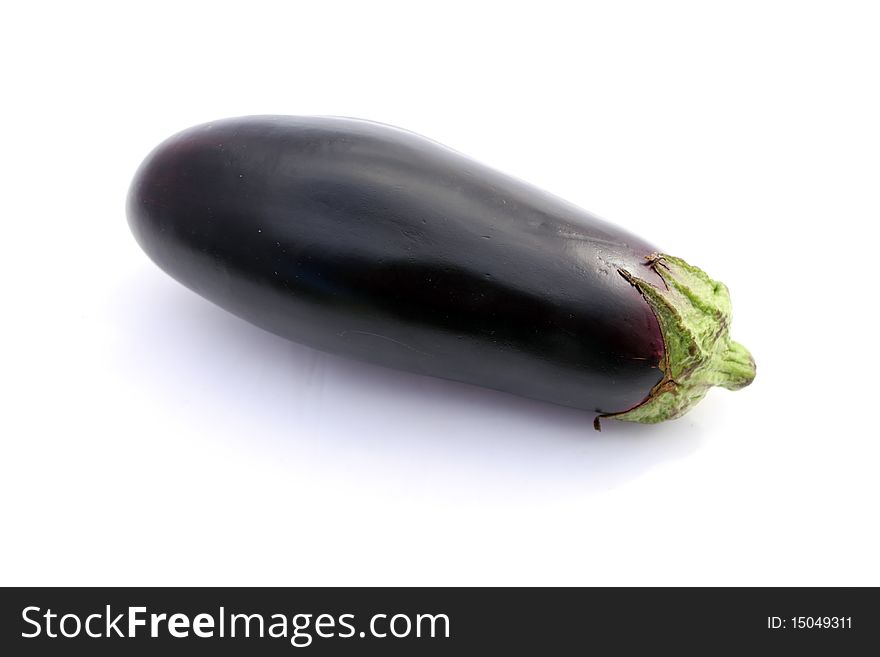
(149, 437)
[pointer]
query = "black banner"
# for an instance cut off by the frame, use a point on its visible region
(430, 621)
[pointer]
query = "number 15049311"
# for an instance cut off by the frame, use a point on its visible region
(809, 623)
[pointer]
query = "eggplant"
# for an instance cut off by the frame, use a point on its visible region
(372, 242)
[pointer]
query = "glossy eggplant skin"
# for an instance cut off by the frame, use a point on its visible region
(375, 243)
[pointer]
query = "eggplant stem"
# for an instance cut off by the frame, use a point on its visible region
(694, 313)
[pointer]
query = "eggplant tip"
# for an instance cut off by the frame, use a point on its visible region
(694, 313)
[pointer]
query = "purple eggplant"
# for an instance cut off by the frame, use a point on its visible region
(372, 242)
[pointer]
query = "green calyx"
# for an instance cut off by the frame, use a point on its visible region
(694, 314)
